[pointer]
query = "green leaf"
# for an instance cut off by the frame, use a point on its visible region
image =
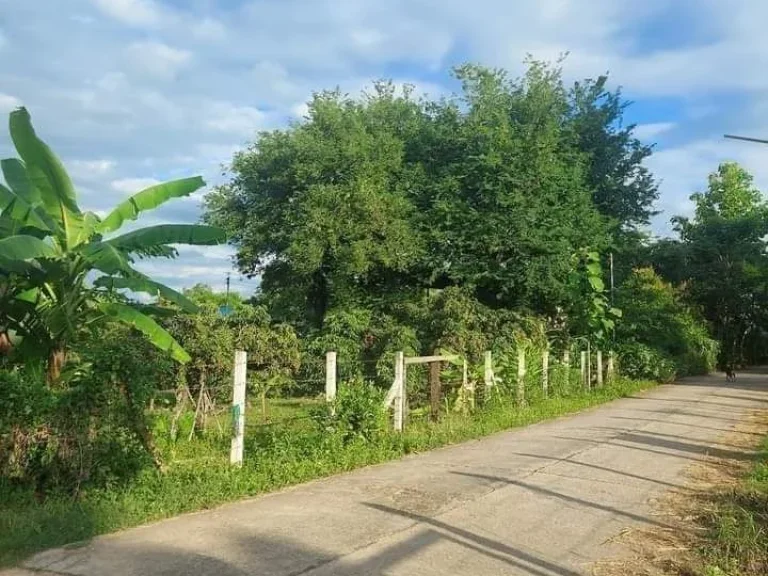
(155, 333)
(597, 283)
(169, 234)
(108, 259)
(47, 174)
(142, 284)
(616, 312)
(594, 269)
(23, 247)
(148, 199)
(24, 213)
(16, 177)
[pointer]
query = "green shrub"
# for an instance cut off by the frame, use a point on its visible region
(641, 362)
(357, 412)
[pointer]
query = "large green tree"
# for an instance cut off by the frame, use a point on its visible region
(372, 201)
(321, 209)
(724, 249)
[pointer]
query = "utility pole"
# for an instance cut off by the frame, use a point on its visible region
(611, 267)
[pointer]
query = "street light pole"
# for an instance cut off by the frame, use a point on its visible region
(745, 138)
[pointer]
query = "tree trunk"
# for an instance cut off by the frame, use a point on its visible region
(5, 343)
(139, 425)
(56, 359)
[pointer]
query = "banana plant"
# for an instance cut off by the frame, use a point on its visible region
(60, 266)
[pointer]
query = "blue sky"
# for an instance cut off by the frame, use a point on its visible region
(130, 92)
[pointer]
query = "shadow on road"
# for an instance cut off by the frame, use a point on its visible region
(566, 498)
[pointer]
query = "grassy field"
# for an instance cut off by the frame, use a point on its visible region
(737, 542)
(275, 456)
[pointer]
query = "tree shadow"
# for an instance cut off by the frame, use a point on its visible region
(567, 460)
(566, 498)
(508, 554)
(669, 422)
(279, 556)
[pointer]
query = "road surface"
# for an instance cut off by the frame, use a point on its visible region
(542, 501)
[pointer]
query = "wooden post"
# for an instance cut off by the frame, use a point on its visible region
(330, 378)
(567, 364)
(238, 409)
(435, 390)
(599, 368)
(545, 372)
(584, 369)
(610, 366)
(521, 376)
(400, 395)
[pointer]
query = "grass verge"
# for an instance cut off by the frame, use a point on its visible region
(737, 527)
(275, 458)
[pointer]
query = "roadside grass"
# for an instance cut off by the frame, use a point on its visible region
(736, 543)
(277, 456)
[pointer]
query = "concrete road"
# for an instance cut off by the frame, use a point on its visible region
(543, 501)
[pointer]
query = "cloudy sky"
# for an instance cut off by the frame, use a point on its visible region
(130, 92)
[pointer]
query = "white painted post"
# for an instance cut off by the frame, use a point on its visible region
(469, 387)
(610, 366)
(584, 369)
(400, 395)
(488, 376)
(545, 372)
(567, 364)
(521, 376)
(589, 367)
(238, 409)
(599, 368)
(330, 376)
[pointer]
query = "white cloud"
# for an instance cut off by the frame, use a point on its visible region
(132, 185)
(209, 29)
(683, 170)
(143, 13)
(89, 169)
(300, 110)
(157, 59)
(650, 131)
(8, 102)
(232, 119)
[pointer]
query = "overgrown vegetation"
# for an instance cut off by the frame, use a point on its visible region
(480, 222)
(199, 477)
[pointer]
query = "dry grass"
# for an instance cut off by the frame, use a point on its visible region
(707, 538)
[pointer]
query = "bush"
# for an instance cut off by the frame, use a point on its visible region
(641, 362)
(656, 324)
(357, 412)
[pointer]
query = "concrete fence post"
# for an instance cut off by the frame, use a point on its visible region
(584, 381)
(330, 378)
(610, 366)
(599, 368)
(545, 372)
(488, 375)
(238, 409)
(521, 376)
(400, 394)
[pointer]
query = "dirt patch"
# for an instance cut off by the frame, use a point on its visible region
(674, 551)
